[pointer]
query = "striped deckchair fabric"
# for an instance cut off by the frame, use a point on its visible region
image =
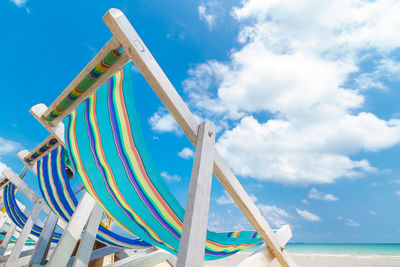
(13, 240)
(86, 82)
(107, 149)
(57, 192)
(15, 213)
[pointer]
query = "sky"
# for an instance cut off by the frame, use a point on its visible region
(304, 95)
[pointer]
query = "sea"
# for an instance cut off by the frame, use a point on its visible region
(343, 250)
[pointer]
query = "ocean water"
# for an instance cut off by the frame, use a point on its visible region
(343, 250)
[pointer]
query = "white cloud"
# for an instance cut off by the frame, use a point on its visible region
(8, 146)
(226, 199)
(350, 222)
(385, 69)
(299, 65)
(19, 3)
(186, 153)
(2, 168)
(315, 194)
(171, 178)
(164, 122)
(397, 193)
(308, 215)
(209, 12)
(340, 218)
(304, 201)
(372, 212)
(277, 217)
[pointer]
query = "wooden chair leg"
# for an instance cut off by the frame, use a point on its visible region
(194, 231)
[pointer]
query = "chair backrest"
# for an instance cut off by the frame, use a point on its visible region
(107, 149)
(15, 213)
(57, 192)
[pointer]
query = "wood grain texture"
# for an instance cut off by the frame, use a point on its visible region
(152, 72)
(194, 229)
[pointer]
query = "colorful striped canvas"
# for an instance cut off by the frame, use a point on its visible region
(15, 213)
(57, 192)
(13, 240)
(107, 149)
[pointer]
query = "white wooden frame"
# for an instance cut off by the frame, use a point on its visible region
(88, 213)
(42, 246)
(135, 50)
(86, 218)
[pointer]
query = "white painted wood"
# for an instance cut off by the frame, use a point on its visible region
(22, 155)
(21, 185)
(2, 180)
(39, 147)
(194, 230)
(56, 130)
(28, 192)
(144, 61)
(140, 260)
(25, 233)
(112, 44)
(73, 232)
(138, 52)
(7, 238)
(89, 236)
(284, 234)
(131, 257)
(56, 127)
(4, 219)
(147, 65)
(263, 256)
(43, 245)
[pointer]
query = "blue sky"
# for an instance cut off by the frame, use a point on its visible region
(304, 96)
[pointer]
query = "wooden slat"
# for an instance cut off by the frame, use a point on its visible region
(194, 230)
(43, 244)
(57, 131)
(19, 245)
(7, 238)
(111, 45)
(147, 65)
(73, 232)
(28, 192)
(88, 237)
(123, 59)
(263, 256)
(22, 155)
(39, 147)
(2, 180)
(147, 260)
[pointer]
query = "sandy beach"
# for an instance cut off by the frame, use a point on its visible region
(314, 260)
(310, 260)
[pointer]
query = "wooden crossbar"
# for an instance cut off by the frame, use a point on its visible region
(42, 150)
(111, 45)
(3, 182)
(135, 50)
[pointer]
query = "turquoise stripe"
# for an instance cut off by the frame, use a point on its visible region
(132, 194)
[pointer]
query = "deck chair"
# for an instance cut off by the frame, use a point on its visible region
(55, 188)
(40, 239)
(165, 226)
